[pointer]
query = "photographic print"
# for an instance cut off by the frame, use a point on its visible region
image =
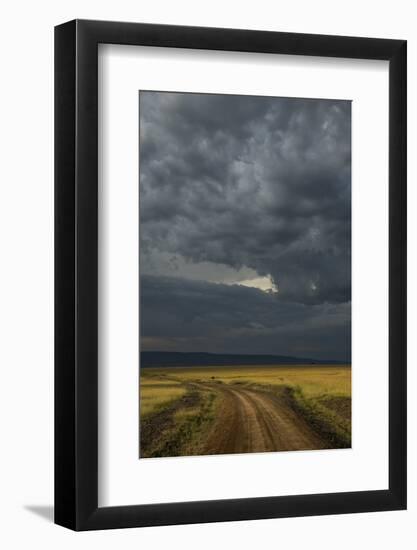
(245, 274)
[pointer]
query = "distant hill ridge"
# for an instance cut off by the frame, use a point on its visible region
(201, 359)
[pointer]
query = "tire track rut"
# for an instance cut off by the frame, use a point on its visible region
(256, 421)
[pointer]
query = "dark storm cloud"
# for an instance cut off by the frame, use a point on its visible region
(195, 315)
(256, 182)
(260, 185)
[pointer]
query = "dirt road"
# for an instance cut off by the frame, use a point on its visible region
(256, 421)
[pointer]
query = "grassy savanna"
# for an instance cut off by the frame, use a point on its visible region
(157, 394)
(209, 410)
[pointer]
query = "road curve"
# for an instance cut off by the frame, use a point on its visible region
(253, 421)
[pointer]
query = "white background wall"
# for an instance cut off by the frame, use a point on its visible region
(26, 274)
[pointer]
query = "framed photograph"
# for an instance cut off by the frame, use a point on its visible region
(230, 254)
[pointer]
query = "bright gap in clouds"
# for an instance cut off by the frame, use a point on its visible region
(175, 265)
(261, 283)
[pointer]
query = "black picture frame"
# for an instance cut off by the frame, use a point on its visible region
(76, 272)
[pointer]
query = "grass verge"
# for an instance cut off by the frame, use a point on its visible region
(183, 426)
(326, 422)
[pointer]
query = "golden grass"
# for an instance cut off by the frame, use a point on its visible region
(157, 394)
(314, 381)
(153, 381)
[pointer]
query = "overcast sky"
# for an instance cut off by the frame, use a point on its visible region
(245, 224)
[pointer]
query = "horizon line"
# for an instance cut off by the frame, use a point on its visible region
(249, 354)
